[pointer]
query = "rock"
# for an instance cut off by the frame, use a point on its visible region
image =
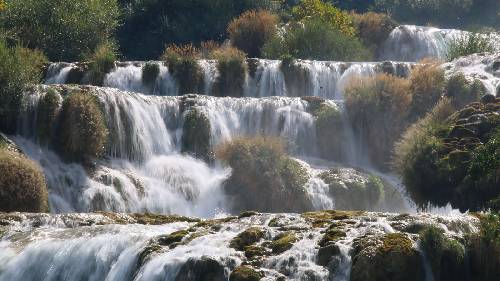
(245, 273)
(283, 242)
(461, 132)
(172, 238)
(246, 238)
(203, 269)
(326, 253)
(488, 99)
(196, 134)
(387, 257)
(332, 235)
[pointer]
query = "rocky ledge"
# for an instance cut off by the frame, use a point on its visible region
(325, 245)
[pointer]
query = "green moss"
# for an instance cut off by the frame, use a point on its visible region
(396, 242)
(247, 214)
(154, 219)
(171, 238)
(283, 242)
(332, 235)
(22, 184)
(150, 71)
(196, 134)
(322, 218)
(83, 133)
(147, 252)
(48, 109)
(246, 238)
(245, 273)
(253, 251)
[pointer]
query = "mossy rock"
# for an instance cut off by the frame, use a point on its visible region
(246, 238)
(245, 273)
(147, 252)
(201, 269)
(331, 132)
(388, 257)
(172, 238)
(247, 214)
(155, 219)
(150, 72)
(253, 251)
(22, 184)
(326, 253)
(283, 242)
(332, 235)
(196, 134)
(322, 218)
(83, 133)
(297, 78)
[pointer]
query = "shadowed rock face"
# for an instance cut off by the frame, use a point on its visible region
(321, 245)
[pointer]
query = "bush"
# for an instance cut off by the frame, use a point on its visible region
(19, 67)
(316, 40)
(261, 167)
(468, 44)
(196, 134)
(82, 133)
(484, 249)
(47, 113)
(326, 13)
(461, 92)
(416, 153)
(447, 256)
(182, 63)
(377, 108)
(251, 30)
(64, 30)
(102, 61)
(427, 83)
(150, 71)
(22, 184)
(232, 68)
(373, 28)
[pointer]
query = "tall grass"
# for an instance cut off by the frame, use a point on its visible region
(468, 44)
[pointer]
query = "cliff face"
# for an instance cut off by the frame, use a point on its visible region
(322, 245)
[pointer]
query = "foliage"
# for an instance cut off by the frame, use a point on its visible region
(468, 44)
(102, 61)
(82, 133)
(22, 184)
(484, 248)
(232, 68)
(427, 84)
(377, 108)
(315, 40)
(150, 25)
(261, 167)
(47, 113)
(373, 28)
(461, 92)
(251, 30)
(182, 63)
(447, 256)
(326, 13)
(150, 71)
(19, 68)
(64, 30)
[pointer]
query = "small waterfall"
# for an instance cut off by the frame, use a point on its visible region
(57, 73)
(268, 80)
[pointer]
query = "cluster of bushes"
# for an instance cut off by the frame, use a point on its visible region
(453, 157)
(261, 167)
(468, 44)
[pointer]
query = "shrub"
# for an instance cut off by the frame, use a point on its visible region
(326, 13)
(102, 61)
(316, 40)
(182, 63)
(251, 30)
(19, 67)
(261, 167)
(48, 109)
(150, 72)
(22, 184)
(82, 133)
(447, 256)
(416, 153)
(232, 68)
(196, 134)
(377, 108)
(427, 83)
(330, 133)
(484, 248)
(64, 30)
(373, 28)
(468, 44)
(461, 92)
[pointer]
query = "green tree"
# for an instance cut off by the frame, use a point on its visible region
(64, 30)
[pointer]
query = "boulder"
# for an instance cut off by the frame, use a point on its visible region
(202, 269)
(245, 273)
